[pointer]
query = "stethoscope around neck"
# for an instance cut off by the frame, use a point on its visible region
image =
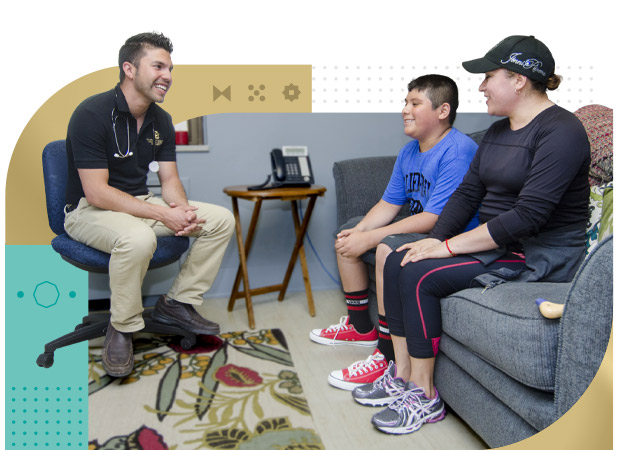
(153, 165)
(119, 154)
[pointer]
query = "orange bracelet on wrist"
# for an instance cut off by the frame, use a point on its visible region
(448, 248)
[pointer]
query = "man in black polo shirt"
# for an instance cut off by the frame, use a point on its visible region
(114, 139)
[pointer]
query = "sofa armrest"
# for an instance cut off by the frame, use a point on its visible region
(359, 184)
(585, 326)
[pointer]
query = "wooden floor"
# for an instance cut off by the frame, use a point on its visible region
(342, 423)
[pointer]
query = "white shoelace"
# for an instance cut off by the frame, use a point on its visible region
(412, 401)
(341, 326)
(386, 382)
(364, 366)
(338, 326)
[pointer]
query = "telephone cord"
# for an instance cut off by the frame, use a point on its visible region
(308, 239)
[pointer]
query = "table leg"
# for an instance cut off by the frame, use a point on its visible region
(298, 245)
(248, 244)
(243, 266)
(303, 263)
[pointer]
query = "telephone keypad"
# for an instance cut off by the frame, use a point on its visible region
(293, 168)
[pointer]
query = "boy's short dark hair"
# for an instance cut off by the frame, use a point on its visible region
(439, 89)
(134, 48)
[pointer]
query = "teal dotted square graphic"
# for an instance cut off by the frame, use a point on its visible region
(45, 298)
(46, 417)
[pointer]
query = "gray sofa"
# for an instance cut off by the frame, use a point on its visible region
(502, 367)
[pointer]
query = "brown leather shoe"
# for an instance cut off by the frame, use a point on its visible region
(184, 316)
(117, 353)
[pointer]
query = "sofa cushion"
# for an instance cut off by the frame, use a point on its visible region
(504, 327)
(488, 416)
(359, 184)
(534, 406)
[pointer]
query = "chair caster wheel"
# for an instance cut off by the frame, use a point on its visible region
(187, 343)
(46, 360)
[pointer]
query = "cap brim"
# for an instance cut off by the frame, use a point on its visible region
(481, 65)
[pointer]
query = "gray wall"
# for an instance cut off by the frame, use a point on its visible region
(239, 154)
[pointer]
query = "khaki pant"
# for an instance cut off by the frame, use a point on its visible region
(131, 242)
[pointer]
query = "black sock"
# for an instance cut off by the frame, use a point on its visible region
(385, 345)
(358, 310)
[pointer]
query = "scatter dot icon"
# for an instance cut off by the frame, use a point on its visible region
(256, 92)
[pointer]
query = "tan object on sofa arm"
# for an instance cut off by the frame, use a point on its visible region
(549, 309)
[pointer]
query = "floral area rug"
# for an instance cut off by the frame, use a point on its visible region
(233, 391)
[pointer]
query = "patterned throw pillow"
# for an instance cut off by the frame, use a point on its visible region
(600, 222)
(598, 122)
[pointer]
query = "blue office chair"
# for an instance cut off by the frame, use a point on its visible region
(169, 249)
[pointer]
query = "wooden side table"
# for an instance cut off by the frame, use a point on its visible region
(292, 194)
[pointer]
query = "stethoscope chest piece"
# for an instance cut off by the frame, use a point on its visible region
(154, 166)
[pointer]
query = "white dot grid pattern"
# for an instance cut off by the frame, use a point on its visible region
(383, 87)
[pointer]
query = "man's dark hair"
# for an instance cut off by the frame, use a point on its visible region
(135, 48)
(439, 89)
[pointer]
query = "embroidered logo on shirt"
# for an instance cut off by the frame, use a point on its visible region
(158, 141)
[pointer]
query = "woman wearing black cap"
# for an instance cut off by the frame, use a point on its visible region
(529, 180)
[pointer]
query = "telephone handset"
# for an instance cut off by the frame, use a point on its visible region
(291, 167)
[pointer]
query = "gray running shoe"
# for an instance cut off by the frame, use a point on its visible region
(410, 411)
(382, 391)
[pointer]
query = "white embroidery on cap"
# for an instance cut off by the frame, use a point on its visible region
(531, 63)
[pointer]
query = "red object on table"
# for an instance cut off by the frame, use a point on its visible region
(181, 138)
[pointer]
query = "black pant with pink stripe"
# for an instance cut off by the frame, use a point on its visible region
(412, 295)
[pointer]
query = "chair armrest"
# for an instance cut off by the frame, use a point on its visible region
(585, 326)
(359, 184)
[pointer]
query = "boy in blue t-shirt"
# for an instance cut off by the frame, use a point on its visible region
(427, 171)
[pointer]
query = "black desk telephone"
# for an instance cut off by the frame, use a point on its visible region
(291, 167)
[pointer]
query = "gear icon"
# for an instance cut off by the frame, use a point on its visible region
(291, 92)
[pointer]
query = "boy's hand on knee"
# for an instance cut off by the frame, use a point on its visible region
(343, 233)
(352, 243)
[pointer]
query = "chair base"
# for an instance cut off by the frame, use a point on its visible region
(93, 327)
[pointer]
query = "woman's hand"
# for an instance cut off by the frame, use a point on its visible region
(475, 240)
(424, 249)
